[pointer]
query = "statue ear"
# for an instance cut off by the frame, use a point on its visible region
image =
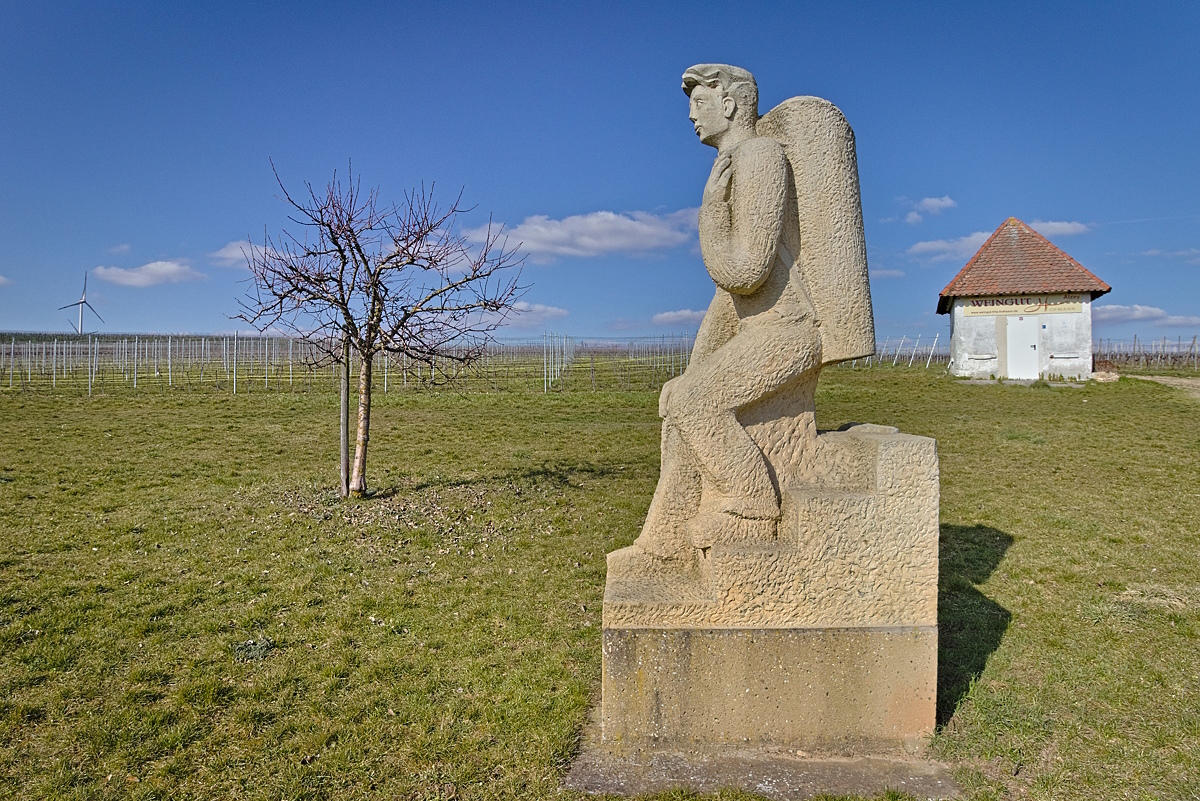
(730, 106)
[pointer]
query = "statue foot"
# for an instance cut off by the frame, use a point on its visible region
(711, 528)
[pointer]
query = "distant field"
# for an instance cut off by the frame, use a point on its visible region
(187, 610)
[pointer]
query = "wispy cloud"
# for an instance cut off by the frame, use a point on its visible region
(927, 205)
(961, 249)
(685, 317)
(936, 205)
(1059, 227)
(887, 273)
(152, 274)
(532, 315)
(4, 281)
(233, 254)
(1190, 255)
(1113, 314)
(119, 249)
(600, 232)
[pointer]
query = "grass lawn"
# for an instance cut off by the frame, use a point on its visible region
(188, 611)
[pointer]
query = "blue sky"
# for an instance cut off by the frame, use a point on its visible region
(135, 138)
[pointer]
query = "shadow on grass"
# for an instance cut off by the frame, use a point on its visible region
(970, 625)
(558, 473)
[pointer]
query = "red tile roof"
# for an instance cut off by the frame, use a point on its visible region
(1017, 260)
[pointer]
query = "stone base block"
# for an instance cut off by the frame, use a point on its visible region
(839, 689)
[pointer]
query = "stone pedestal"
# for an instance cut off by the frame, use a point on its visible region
(823, 637)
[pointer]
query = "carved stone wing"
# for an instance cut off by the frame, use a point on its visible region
(819, 144)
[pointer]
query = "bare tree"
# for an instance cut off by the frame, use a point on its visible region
(363, 278)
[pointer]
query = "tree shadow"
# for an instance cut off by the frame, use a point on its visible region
(970, 625)
(558, 473)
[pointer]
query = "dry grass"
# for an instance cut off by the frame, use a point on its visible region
(187, 611)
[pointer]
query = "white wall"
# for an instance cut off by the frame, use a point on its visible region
(1064, 344)
(973, 350)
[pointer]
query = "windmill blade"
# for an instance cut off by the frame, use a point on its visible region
(85, 303)
(70, 305)
(71, 323)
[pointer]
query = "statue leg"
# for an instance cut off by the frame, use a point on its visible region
(676, 498)
(758, 360)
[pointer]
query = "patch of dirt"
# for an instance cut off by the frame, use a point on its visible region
(1188, 385)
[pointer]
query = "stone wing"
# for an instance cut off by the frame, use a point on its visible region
(833, 250)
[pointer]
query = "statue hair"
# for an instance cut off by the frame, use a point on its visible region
(733, 81)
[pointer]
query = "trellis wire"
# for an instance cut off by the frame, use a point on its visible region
(550, 363)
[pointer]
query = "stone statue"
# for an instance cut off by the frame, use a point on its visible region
(782, 238)
(783, 589)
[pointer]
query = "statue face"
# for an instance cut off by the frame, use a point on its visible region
(710, 112)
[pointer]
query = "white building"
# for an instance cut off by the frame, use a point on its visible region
(1021, 308)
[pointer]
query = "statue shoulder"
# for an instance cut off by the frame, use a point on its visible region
(760, 153)
(759, 148)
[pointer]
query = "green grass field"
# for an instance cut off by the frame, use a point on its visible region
(188, 611)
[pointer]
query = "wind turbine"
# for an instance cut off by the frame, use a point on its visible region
(81, 303)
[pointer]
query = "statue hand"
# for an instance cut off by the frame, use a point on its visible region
(716, 190)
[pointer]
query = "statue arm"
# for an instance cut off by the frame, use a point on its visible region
(742, 216)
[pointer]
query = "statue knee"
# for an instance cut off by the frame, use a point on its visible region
(690, 405)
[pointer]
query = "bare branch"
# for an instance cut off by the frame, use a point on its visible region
(398, 279)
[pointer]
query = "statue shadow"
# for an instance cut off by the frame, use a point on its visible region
(970, 625)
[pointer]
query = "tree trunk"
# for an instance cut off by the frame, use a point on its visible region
(344, 416)
(358, 478)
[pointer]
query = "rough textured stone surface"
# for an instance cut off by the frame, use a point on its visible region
(825, 637)
(783, 590)
(781, 233)
(856, 546)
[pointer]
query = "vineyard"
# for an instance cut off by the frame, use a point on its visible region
(552, 363)
(239, 364)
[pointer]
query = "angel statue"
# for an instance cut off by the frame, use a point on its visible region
(781, 234)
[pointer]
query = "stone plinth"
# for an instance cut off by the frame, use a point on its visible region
(822, 637)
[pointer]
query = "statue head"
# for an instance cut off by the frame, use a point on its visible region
(721, 98)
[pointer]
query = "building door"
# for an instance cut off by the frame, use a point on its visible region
(1022, 339)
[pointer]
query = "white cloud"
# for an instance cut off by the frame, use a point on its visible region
(1114, 314)
(119, 249)
(936, 205)
(233, 254)
(959, 249)
(685, 317)
(532, 315)
(1059, 228)
(929, 205)
(1190, 255)
(887, 273)
(600, 232)
(152, 274)
(4, 281)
